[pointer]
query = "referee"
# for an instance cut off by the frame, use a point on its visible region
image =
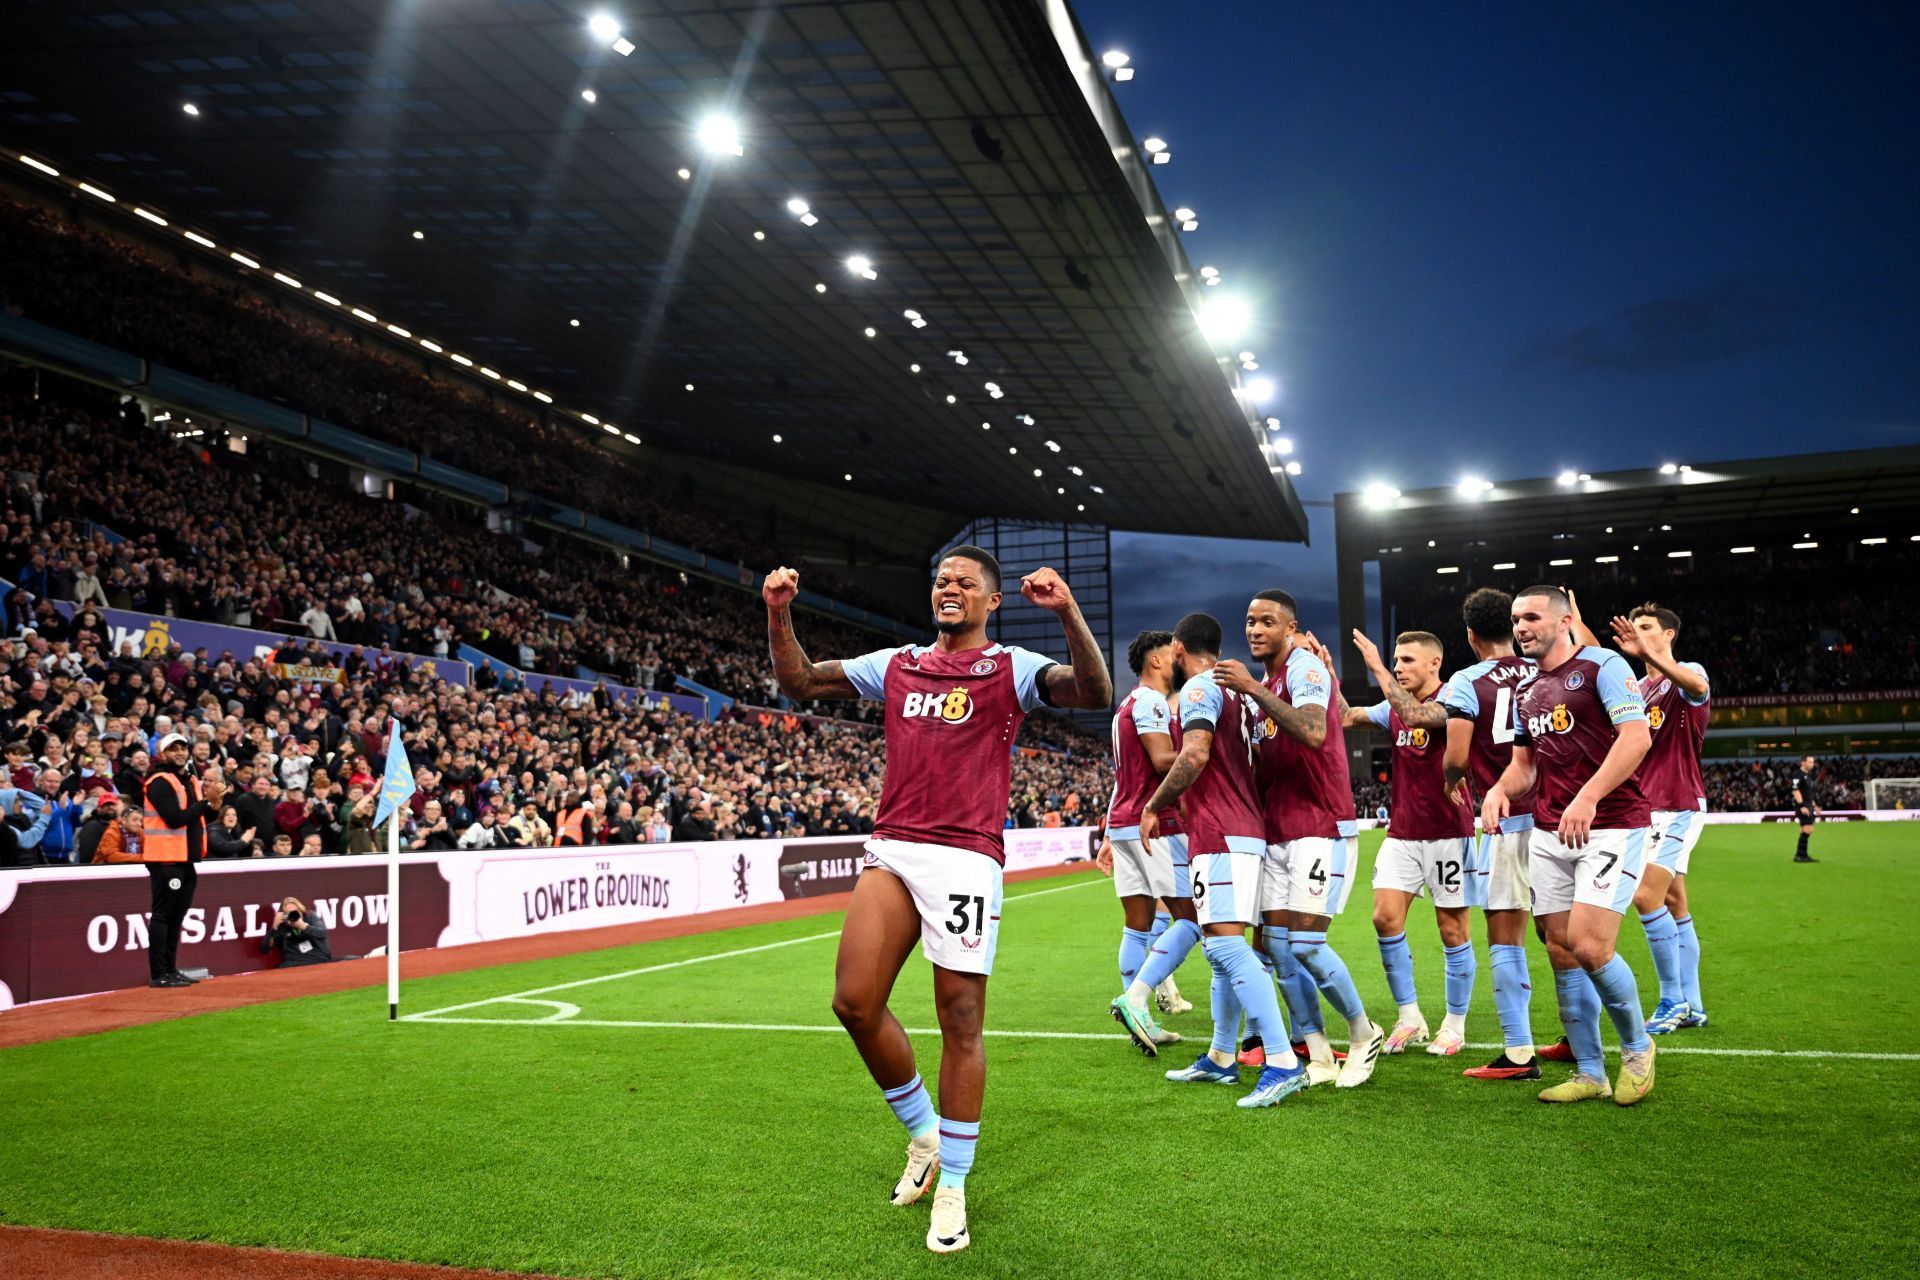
(1805, 806)
(174, 842)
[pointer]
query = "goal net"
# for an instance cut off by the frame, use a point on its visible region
(1893, 793)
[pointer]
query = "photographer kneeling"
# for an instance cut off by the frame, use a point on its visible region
(299, 936)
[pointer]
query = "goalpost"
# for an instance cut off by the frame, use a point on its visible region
(1893, 793)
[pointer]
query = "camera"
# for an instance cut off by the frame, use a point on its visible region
(294, 917)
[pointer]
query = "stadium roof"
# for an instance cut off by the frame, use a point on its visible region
(1860, 493)
(445, 171)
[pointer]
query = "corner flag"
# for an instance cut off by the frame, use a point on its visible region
(396, 788)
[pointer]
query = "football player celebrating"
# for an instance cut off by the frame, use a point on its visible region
(1678, 698)
(932, 871)
(1580, 732)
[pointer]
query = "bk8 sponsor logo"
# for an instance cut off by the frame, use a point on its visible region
(1558, 720)
(952, 707)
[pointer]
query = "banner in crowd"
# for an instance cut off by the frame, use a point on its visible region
(152, 636)
(1816, 699)
(73, 931)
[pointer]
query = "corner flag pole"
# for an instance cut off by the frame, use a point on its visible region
(396, 788)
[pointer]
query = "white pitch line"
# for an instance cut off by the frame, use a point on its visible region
(1665, 1049)
(434, 1014)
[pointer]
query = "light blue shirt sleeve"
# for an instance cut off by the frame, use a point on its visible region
(1619, 692)
(1309, 683)
(1381, 713)
(868, 673)
(1459, 696)
(1150, 714)
(1200, 703)
(1700, 671)
(1027, 666)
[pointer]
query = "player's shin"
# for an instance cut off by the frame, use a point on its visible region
(1462, 968)
(1163, 957)
(1580, 1015)
(1225, 1007)
(1248, 979)
(1396, 957)
(1663, 942)
(1330, 974)
(1621, 995)
(1134, 944)
(1513, 999)
(1687, 947)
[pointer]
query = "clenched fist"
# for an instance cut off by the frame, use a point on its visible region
(781, 586)
(1047, 589)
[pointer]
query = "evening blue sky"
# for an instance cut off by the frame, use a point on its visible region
(1504, 240)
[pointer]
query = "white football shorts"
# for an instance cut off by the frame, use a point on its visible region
(1156, 870)
(1501, 879)
(1604, 873)
(956, 891)
(1226, 884)
(1674, 833)
(1442, 868)
(1313, 875)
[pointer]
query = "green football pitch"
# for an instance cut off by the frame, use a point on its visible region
(699, 1115)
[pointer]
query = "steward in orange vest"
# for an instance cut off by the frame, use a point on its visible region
(172, 844)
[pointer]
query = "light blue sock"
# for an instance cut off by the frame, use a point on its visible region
(1661, 940)
(1462, 968)
(1133, 953)
(1329, 974)
(956, 1151)
(1225, 1007)
(1513, 995)
(1248, 977)
(1396, 957)
(1621, 995)
(1580, 1015)
(1687, 946)
(912, 1107)
(1170, 952)
(1303, 997)
(1161, 920)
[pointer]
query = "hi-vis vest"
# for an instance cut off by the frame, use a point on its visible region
(573, 826)
(160, 842)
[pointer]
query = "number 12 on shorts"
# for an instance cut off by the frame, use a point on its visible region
(969, 914)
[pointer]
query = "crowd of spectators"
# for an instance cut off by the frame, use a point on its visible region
(494, 767)
(104, 510)
(76, 279)
(1767, 784)
(1837, 628)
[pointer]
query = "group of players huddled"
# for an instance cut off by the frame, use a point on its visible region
(1235, 812)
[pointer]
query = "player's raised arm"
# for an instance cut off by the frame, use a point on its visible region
(1655, 648)
(800, 679)
(1413, 713)
(1086, 683)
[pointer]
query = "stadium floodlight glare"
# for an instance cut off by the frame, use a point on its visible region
(1259, 390)
(798, 207)
(1123, 75)
(720, 133)
(1854, 512)
(1082, 507)
(689, 386)
(589, 418)
(861, 265)
(685, 175)
(486, 372)
(986, 426)
(460, 360)
(629, 437)
(959, 357)
(1606, 559)
(820, 286)
(776, 437)
(913, 368)
(1506, 564)
(1153, 146)
(1872, 542)
(574, 323)
(332, 301)
(1293, 468)
(1283, 445)
(1115, 59)
(605, 27)
(870, 331)
(1472, 487)
(624, 47)
(1024, 417)
(287, 280)
(190, 109)
(1096, 488)
(1222, 320)
(589, 96)
(1076, 471)
(610, 429)
(1013, 448)
(543, 397)
(1037, 472)
(155, 218)
(1569, 477)
(953, 399)
(419, 235)
(393, 328)
(1559, 563)
(1805, 546)
(434, 347)
(1740, 551)
(1209, 273)
(96, 192)
(366, 315)
(1379, 496)
(516, 384)
(1679, 555)
(41, 165)
(848, 476)
(1668, 468)
(993, 389)
(1448, 568)
(1184, 214)
(1052, 445)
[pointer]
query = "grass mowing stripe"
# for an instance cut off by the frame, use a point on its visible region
(680, 964)
(1612, 1050)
